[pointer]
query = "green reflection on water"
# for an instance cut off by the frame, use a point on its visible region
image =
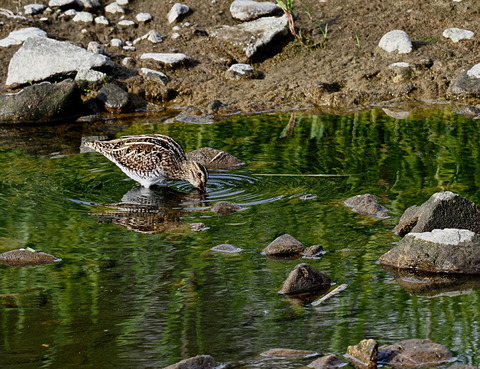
(125, 299)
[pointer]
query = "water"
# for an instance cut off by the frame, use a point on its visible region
(136, 290)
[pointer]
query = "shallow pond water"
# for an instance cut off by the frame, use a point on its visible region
(136, 291)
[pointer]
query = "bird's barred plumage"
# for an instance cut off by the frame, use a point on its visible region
(150, 159)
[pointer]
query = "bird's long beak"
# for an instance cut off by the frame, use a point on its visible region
(202, 187)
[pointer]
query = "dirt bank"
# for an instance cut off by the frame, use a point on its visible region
(338, 62)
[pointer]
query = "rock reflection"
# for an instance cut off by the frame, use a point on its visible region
(152, 210)
(434, 284)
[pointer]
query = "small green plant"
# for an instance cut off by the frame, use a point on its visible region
(324, 31)
(287, 7)
(357, 40)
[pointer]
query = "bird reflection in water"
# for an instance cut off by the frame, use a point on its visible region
(153, 210)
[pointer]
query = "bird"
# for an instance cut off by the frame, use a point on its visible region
(152, 158)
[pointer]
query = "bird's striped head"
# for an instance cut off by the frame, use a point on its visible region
(196, 174)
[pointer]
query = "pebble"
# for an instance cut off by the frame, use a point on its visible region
(399, 65)
(241, 70)
(152, 36)
(396, 40)
(114, 8)
(143, 17)
(84, 17)
(177, 11)
(122, 2)
(102, 20)
(61, 3)
(126, 23)
(457, 34)
(70, 13)
(155, 75)
(116, 42)
(32, 9)
(96, 48)
(169, 59)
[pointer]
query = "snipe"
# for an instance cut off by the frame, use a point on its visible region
(151, 159)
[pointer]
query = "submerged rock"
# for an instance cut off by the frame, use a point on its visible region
(313, 251)
(396, 40)
(414, 353)
(225, 207)
(442, 210)
(366, 204)
(284, 245)
(51, 58)
(114, 98)
(26, 257)
(364, 355)
(213, 158)
(197, 362)
(305, 278)
(226, 247)
(289, 353)
(439, 251)
(44, 102)
(330, 361)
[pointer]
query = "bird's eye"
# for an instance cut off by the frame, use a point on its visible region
(199, 175)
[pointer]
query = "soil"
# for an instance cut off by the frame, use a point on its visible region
(336, 62)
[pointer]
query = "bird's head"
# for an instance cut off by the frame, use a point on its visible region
(197, 175)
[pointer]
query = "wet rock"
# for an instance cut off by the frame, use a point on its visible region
(226, 247)
(44, 102)
(213, 158)
(114, 98)
(155, 75)
(248, 10)
(26, 257)
(439, 251)
(305, 278)
(34, 9)
(313, 251)
(248, 40)
(18, 36)
(366, 204)
(242, 71)
(289, 353)
(194, 119)
(468, 82)
(197, 362)
(457, 34)
(330, 361)
(284, 245)
(469, 112)
(198, 227)
(413, 353)
(396, 40)
(52, 58)
(171, 60)
(225, 207)
(364, 355)
(443, 210)
(177, 12)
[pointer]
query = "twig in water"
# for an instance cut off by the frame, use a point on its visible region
(301, 175)
(330, 294)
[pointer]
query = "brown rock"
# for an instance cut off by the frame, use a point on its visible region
(364, 355)
(326, 362)
(366, 204)
(197, 362)
(413, 353)
(26, 257)
(284, 245)
(305, 278)
(225, 207)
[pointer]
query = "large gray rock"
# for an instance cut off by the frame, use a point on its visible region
(42, 58)
(250, 39)
(114, 98)
(42, 103)
(18, 36)
(305, 278)
(468, 82)
(247, 10)
(443, 210)
(440, 251)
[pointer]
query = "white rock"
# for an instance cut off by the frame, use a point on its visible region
(32, 9)
(169, 59)
(89, 75)
(116, 42)
(89, 4)
(176, 28)
(129, 48)
(95, 48)
(102, 20)
(241, 70)
(152, 36)
(474, 71)
(399, 65)
(128, 61)
(61, 3)
(84, 17)
(247, 10)
(114, 8)
(447, 236)
(457, 34)
(70, 13)
(177, 11)
(18, 36)
(42, 58)
(396, 40)
(154, 74)
(175, 35)
(126, 23)
(122, 2)
(143, 17)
